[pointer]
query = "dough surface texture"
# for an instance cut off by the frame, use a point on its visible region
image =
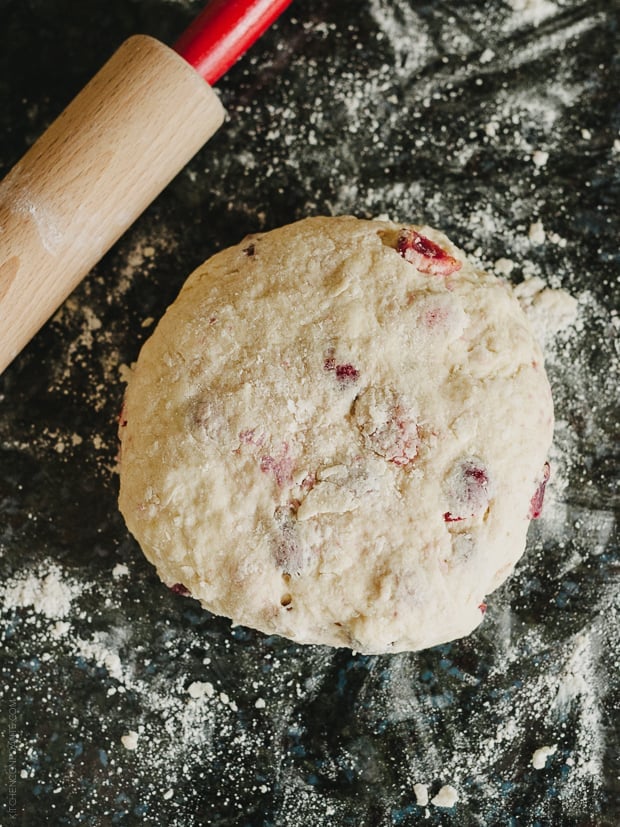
(338, 433)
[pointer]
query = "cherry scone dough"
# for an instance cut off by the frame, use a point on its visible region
(338, 433)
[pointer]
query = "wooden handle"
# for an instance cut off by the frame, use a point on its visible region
(92, 173)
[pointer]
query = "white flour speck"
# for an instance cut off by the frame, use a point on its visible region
(539, 758)
(446, 797)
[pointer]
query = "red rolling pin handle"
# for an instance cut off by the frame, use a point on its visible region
(223, 32)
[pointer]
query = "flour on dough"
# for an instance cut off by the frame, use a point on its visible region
(338, 433)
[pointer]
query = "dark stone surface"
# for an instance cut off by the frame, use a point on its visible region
(379, 107)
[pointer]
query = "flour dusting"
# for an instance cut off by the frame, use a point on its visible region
(495, 123)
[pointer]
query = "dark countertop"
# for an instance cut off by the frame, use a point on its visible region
(423, 111)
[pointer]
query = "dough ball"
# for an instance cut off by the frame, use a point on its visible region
(338, 433)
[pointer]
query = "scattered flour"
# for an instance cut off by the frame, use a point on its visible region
(539, 758)
(101, 650)
(532, 11)
(48, 592)
(504, 266)
(421, 794)
(537, 233)
(540, 157)
(198, 689)
(446, 797)
(189, 729)
(130, 740)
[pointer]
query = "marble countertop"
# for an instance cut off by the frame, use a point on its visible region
(123, 703)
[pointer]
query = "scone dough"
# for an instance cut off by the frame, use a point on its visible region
(338, 433)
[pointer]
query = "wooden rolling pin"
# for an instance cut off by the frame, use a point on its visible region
(108, 155)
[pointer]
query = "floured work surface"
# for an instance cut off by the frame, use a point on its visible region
(123, 702)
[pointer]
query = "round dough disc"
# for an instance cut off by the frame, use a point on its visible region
(338, 433)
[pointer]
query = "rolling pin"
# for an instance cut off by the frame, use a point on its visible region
(116, 146)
